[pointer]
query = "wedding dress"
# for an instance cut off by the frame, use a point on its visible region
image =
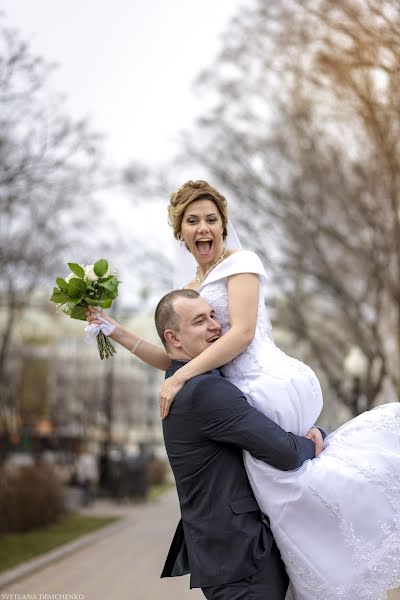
(336, 519)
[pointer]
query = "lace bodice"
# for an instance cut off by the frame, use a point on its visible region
(216, 295)
(264, 365)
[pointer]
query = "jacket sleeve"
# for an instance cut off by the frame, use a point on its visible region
(226, 416)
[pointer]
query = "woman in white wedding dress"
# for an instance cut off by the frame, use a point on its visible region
(336, 519)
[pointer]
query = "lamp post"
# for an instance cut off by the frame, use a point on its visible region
(108, 410)
(109, 414)
(356, 365)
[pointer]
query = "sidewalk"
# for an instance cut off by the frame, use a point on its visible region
(119, 562)
(35, 564)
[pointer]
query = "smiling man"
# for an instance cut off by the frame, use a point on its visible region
(222, 540)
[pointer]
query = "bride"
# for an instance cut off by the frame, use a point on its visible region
(336, 519)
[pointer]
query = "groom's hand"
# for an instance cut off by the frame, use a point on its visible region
(316, 436)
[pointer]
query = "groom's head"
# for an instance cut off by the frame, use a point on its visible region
(186, 324)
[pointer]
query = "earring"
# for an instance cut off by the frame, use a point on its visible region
(180, 240)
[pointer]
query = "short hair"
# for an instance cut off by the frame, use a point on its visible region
(165, 316)
(188, 193)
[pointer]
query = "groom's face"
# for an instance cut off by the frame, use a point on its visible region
(198, 327)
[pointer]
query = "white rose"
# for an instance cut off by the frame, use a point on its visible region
(90, 275)
(70, 276)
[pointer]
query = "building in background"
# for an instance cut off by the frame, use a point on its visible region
(61, 395)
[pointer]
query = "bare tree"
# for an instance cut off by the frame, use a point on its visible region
(304, 132)
(49, 171)
(151, 264)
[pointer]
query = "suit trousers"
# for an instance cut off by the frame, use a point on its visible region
(269, 583)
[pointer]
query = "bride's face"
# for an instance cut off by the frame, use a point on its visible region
(202, 231)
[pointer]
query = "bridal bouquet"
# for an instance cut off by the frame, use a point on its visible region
(94, 285)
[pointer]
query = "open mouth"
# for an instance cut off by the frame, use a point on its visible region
(213, 339)
(203, 245)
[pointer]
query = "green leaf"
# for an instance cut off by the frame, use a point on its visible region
(73, 302)
(106, 303)
(101, 267)
(58, 297)
(76, 288)
(111, 285)
(92, 301)
(112, 295)
(77, 270)
(79, 312)
(62, 284)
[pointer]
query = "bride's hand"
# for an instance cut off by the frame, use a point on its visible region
(168, 391)
(93, 313)
(316, 436)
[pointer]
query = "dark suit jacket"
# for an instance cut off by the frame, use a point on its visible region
(221, 537)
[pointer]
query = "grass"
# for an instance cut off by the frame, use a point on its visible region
(16, 548)
(154, 492)
(158, 490)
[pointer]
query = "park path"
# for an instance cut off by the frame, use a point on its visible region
(123, 565)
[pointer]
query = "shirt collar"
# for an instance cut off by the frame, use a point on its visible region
(177, 364)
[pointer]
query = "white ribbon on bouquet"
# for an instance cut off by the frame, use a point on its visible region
(93, 329)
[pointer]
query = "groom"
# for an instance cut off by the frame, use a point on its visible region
(222, 540)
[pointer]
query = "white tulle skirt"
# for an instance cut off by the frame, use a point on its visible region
(336, 519)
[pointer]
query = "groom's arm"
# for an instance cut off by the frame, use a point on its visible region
(226, 416)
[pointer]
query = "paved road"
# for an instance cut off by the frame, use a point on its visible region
(124, 565)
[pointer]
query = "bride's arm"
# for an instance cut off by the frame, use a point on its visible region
(153, 355)
(243, 294)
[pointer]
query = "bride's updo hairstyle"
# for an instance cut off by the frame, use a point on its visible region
(189, 192)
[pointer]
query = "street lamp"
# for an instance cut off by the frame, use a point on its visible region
(109, 415)
(356, 365)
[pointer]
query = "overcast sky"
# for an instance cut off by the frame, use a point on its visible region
(127, 64)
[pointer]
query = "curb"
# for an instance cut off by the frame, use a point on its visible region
(35, 564)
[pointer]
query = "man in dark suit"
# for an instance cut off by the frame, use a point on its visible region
(222, 540)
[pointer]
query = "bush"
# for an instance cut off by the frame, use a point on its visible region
(30, 497)
(156, 471)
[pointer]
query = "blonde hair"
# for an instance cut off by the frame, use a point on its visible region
(188, 193)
